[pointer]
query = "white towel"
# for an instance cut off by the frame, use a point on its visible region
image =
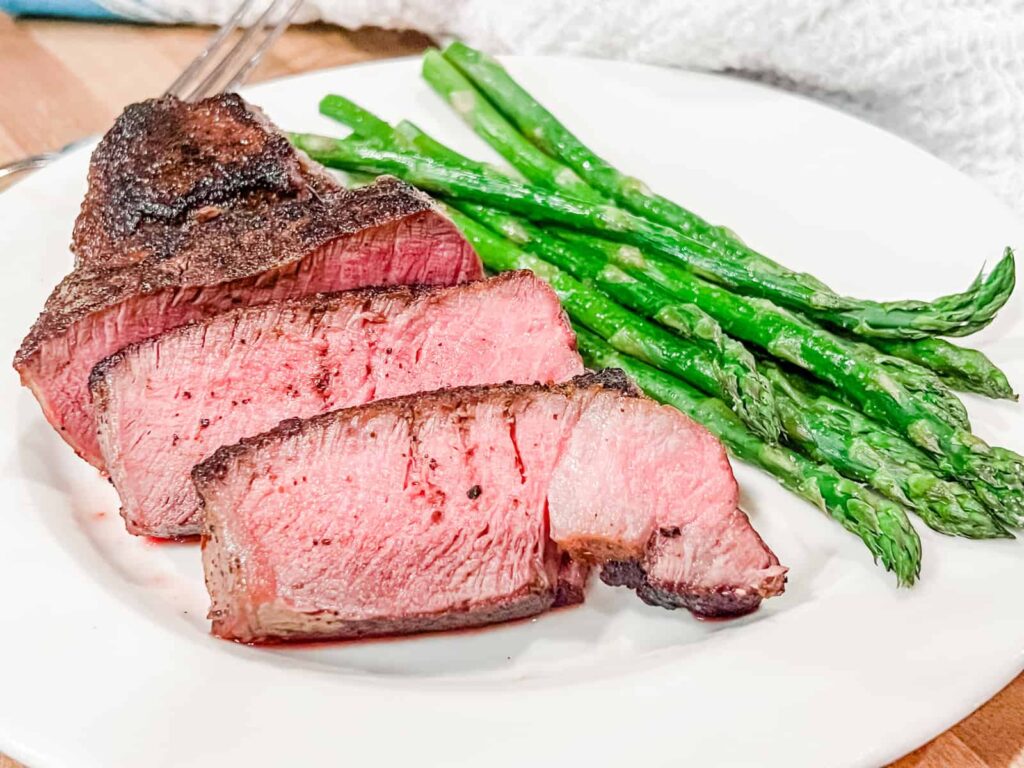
(945, 74)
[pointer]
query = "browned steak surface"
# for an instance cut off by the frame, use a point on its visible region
(198, 195)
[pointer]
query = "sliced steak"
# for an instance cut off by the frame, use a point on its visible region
(443, 509)
(164, 404)
(196, 208)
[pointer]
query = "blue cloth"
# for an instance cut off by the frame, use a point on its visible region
(81, 9)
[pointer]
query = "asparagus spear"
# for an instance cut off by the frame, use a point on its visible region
(930, 391)
(472, 107)
(863, 450)
(543, 129)
(1000, 473)
(754, 402)
(882, 525)
(421, 142)
(976, 306)
(787, 288)
(621, 328)
(362, 122)
(965, 369)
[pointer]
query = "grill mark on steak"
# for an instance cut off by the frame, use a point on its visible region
(520, 467)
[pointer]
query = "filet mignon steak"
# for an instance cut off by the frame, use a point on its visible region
(164, 404)
(446, 509)
(195, 208)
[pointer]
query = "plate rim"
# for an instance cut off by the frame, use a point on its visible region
(1014, 666)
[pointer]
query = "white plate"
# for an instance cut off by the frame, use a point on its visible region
(105, 657)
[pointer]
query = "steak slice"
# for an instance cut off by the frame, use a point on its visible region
(442, 510)
(195, 208)
(164, 404)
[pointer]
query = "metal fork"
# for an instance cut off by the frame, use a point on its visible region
(218, 67)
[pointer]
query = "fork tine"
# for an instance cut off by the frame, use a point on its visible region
(192, 70)
(268, 41)
(233, 66)
(239, 54)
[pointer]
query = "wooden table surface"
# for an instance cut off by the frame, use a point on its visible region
(60, 81)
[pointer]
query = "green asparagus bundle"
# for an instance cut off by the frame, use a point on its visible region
(540, 204)
(488, 86)
(863, 450)
(881, 524)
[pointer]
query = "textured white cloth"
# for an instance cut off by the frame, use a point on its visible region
(945, 74)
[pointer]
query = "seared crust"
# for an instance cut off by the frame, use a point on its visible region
(271, 624)
(714, 603)
(164, 159)
(572, 581)
(193, 195)
(219, 464)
